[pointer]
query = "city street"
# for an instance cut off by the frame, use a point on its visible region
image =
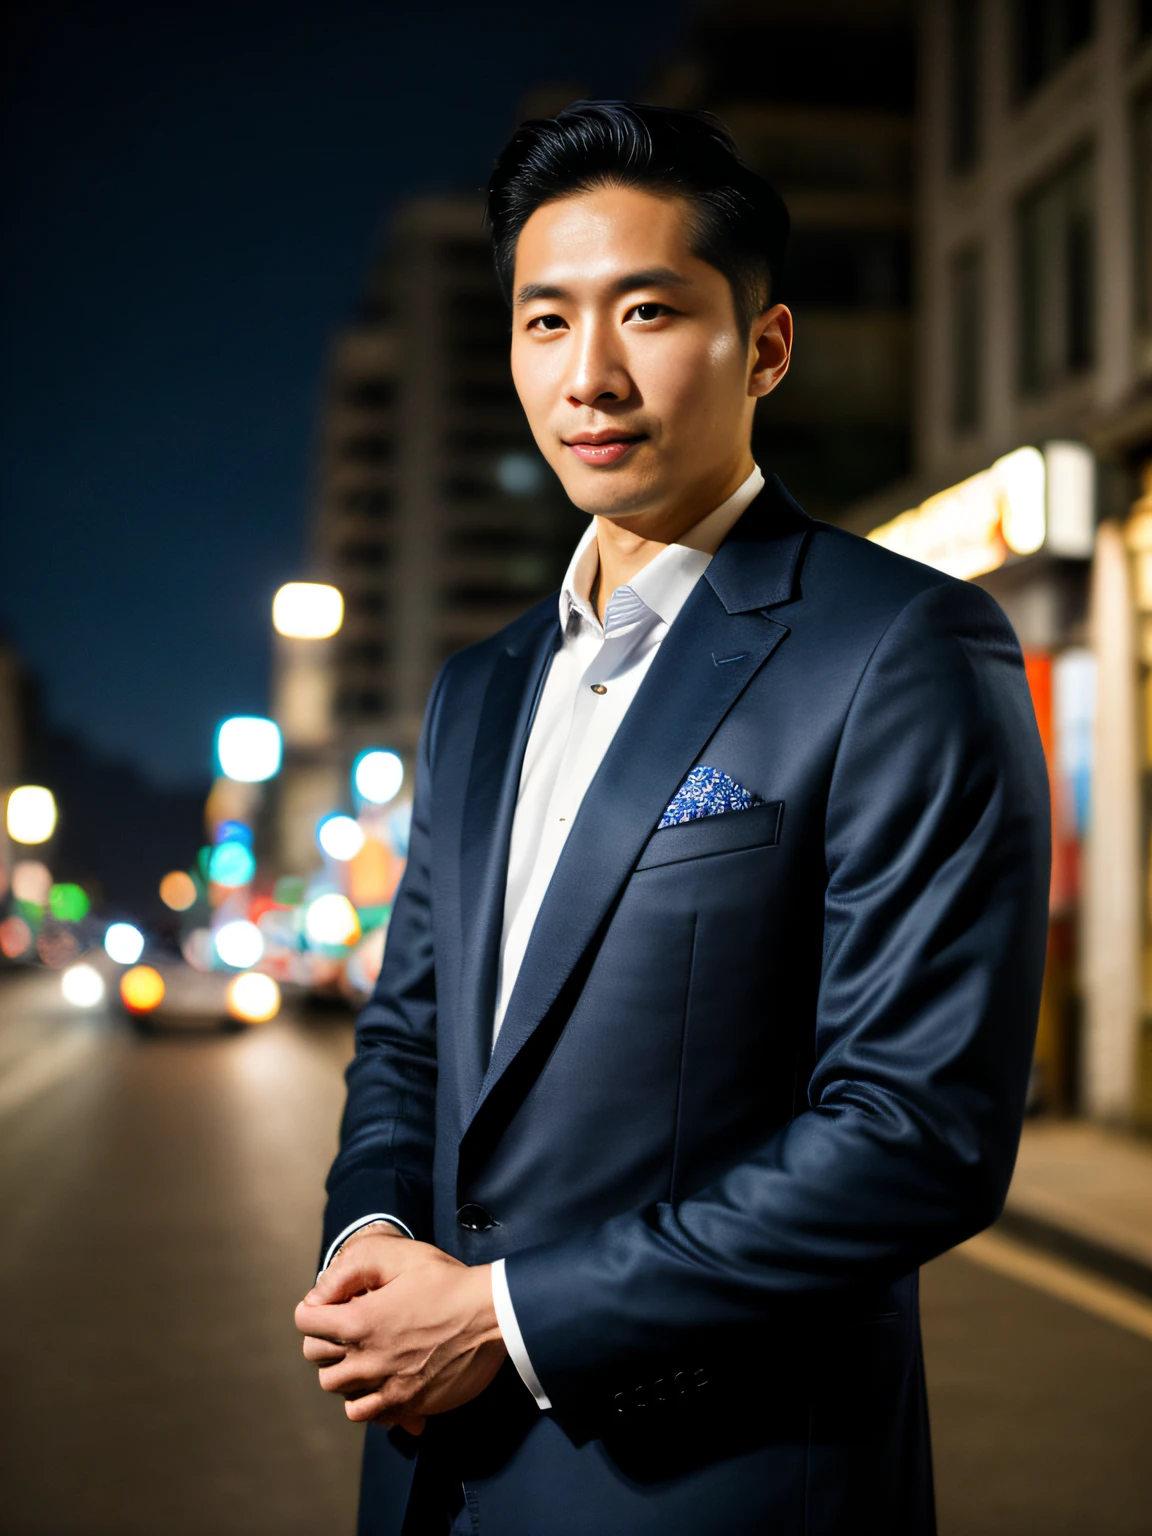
(159, 1201)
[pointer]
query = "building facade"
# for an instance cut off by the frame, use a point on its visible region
(1034, 358)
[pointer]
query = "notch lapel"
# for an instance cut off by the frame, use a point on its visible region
(719, 641)
(490, 803)
(677, 708)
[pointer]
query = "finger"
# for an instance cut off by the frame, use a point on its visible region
(337, 1324)
(320, 1352)
(351, 1378)
(341, 1282)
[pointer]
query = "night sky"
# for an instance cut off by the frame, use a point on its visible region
(192, 193)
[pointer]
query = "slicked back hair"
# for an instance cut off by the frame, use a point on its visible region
(737, 221)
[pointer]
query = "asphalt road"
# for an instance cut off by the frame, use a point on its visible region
(159, 1210)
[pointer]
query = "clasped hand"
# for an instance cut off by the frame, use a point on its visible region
(401, 1330)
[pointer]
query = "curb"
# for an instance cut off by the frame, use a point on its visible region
(1109, 1263)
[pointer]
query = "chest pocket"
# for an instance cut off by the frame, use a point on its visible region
(729, 832)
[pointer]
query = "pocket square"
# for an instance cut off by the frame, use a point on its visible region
(707, 792)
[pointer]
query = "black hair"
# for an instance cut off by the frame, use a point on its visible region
(738, 221)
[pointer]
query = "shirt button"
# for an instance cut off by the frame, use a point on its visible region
(599, 688)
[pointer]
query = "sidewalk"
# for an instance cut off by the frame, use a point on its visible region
(1084, 1194)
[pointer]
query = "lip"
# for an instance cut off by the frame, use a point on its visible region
(601, 448)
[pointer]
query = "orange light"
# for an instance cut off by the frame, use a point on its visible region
(178, 890)
(371, 880)
(141, 989)
(253, 998)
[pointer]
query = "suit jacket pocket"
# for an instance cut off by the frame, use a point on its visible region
(729, 832)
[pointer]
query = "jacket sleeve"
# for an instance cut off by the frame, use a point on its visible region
(386, 1136)
(937, 854)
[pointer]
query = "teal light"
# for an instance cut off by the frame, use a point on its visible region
(231, 864)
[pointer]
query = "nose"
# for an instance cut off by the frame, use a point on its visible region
(598, 372)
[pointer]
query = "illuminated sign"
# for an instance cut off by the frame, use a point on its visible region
(1026, 501)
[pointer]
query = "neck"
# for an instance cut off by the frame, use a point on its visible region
(627, 547)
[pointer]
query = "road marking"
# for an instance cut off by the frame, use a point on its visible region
(42, 1069)
(1044, 1273)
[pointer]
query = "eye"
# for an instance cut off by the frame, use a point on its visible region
(547, 323)
(651, 311)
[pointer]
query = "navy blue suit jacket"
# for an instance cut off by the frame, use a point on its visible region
(756, 1068)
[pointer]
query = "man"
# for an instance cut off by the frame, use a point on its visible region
(708, 1001)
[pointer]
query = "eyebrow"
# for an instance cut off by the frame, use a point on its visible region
(650, 277)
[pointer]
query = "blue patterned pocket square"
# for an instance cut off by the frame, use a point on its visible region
(707, 792)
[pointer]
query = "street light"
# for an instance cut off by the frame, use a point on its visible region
(377, 775)
(307, 610)
(248, 748)
(31, 814)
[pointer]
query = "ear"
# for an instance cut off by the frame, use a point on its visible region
(769, 350)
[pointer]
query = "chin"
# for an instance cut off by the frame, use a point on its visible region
(607, 493)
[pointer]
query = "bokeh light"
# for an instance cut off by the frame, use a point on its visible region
(239, 944)
(377, 775)
(198, 949)
(15, 938)
(248, 748)
(82, 986)
(307, 610)
(332, 920)
(231, 864)
(340, 837)
(32, 882)
(373, 874)
(141, 989)
(366, 959)
(124, 943)
(31, 814)
(253, 998)
(178, 890)
(233, 832)
(68, 903)
(57, 947)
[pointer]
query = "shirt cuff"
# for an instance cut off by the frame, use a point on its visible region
(513, 1339)
(354, 1226)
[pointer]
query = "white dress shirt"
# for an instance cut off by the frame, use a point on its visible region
(594, 676)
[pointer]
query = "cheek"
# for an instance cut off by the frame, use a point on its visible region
(690, 379)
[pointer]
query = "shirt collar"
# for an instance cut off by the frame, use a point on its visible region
(664, 584)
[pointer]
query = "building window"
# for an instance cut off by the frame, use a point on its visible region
(964, 84)
(368, 448)
(367, 501)
(363, 554)
(1057, 289)
(1142, 166)
(370, 394)
(966, 320)
(849, 268)
(1048, 33)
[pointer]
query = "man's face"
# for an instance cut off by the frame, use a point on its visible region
(636, 381)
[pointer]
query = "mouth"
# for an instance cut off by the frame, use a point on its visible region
(602, 448)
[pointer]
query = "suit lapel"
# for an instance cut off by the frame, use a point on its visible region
(490, 803)
(719, 641)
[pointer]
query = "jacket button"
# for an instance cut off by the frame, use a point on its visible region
(474, 1218)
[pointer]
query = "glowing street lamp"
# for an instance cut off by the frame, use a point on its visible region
(307, 610)
(31, 814)
(377, 775)
(340, 837)
(248, 749)
(124, 943)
